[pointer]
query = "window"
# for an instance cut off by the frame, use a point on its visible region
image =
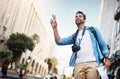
(117, 29)
(117, 14)
(119, 25)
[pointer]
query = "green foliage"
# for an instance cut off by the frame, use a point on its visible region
(64, 76)
(49, 62)
(35, 38)
(21, 66)
(52, 63)
(18, 43)
(7, 55)
(55, 70)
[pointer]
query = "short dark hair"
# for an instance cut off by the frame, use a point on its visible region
(84, 16)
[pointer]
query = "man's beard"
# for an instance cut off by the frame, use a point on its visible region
(79, 23)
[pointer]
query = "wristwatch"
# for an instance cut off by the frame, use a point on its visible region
(107, 57)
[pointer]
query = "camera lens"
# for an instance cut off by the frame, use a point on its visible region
(75, 48)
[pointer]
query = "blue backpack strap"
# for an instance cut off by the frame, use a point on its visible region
(92, 29)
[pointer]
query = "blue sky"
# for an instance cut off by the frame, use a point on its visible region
(65, 12)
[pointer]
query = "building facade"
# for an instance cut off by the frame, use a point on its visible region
(109, 25)
(25, 16)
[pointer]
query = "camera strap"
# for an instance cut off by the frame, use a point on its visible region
(76, 33)
(83, 32)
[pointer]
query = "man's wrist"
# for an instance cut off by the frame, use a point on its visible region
(55, 28)
(106, 57)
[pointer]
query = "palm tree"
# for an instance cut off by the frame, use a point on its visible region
(18, 43)
(6, 57)
(48, 61)
(35, 38)
(52, 63)
(21, 67)
(55, 70)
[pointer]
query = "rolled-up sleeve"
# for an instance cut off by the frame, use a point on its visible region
(66, 41)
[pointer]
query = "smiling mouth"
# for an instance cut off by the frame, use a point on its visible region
(78, 21)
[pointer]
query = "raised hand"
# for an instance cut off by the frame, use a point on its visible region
(53, 22)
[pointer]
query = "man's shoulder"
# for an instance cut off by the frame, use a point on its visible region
(92, 27)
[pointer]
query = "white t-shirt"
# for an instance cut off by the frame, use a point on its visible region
(86, 52)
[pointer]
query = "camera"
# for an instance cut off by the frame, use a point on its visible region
(76, 48)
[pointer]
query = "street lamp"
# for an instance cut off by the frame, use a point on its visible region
(29, 59)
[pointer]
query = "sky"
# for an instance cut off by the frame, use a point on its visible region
(65, 13)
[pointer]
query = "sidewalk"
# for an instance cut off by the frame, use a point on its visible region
(11, 74)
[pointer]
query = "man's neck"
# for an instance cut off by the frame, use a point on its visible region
(80, 27)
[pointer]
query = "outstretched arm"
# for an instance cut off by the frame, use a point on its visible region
(54, 26)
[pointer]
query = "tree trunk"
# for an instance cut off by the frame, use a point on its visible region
(4, 70)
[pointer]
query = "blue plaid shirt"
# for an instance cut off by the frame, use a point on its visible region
(97, 52)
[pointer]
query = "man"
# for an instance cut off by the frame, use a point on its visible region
(89, 55)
